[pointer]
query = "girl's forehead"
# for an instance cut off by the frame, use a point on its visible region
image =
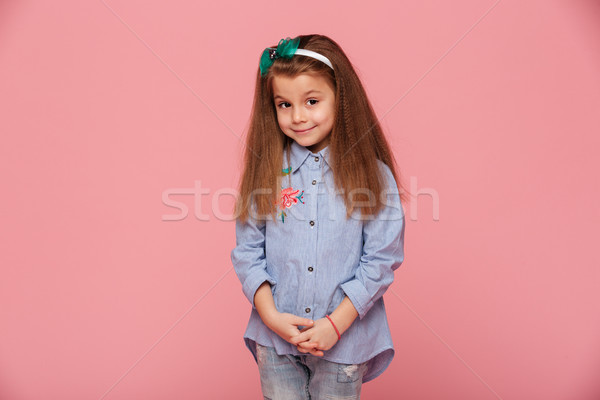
(299, 84)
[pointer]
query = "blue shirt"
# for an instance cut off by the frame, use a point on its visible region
(313, 256)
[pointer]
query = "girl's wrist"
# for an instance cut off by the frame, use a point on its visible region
(268, 316)
(335, 328)
(344, 315)
(340, 323)
(264, 303)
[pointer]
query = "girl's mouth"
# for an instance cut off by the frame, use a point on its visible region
(304, 131)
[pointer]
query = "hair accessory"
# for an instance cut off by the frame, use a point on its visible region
(334, 327)
(286, 48)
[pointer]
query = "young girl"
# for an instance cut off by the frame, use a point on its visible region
(320, 227)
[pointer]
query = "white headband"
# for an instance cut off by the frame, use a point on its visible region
(314, 54)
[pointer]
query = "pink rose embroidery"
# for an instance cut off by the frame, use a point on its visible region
(289, 197)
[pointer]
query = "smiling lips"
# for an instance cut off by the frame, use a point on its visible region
(304, 131)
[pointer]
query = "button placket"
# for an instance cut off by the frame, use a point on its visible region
(312, 179)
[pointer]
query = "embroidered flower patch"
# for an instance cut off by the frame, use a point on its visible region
(289, 197)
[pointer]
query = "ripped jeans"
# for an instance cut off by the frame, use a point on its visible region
(290, 377)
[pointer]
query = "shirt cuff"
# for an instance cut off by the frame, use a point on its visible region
(359, 296)
(252, 283)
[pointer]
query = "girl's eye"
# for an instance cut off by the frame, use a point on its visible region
(281, 105)
(315, 101)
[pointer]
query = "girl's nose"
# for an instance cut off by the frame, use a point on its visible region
(298, 115)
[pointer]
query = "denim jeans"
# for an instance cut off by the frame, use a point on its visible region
(290, 377)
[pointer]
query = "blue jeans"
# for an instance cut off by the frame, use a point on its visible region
(290, 377)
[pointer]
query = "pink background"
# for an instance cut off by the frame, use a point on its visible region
(111, 108)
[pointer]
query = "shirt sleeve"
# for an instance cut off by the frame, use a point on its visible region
(248, 256)
(383, 251)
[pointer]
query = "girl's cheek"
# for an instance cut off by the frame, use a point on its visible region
(281, 118)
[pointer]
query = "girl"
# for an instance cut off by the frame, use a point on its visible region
(320, 231)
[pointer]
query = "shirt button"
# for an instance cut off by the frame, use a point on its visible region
(312, 223)
(317, 159)
(310, 269)
(307, 310)
(314, 182)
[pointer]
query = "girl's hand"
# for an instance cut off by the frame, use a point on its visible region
(286, 325)
(316, 339)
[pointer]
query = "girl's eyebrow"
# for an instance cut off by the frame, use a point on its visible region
(305, 94)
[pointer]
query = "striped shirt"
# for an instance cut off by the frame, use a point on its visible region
(313, 256)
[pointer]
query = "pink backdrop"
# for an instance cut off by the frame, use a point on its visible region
(120, 150)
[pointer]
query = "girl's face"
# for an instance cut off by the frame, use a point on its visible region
(305, 107)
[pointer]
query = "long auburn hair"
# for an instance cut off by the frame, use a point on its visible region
(356, 140)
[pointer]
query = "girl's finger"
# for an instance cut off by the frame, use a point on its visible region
(301, 350)
(303, 337)
(316, 352)
(308, 345)
(299, 321)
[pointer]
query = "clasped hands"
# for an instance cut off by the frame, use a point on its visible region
(314, 338)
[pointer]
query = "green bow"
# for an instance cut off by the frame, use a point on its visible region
(285, 49)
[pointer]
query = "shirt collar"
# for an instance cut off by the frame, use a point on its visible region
(299, 154)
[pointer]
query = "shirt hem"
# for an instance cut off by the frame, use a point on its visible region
(251, 345)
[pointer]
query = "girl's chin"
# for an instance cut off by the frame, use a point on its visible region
(308, 141)
(305, 142)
